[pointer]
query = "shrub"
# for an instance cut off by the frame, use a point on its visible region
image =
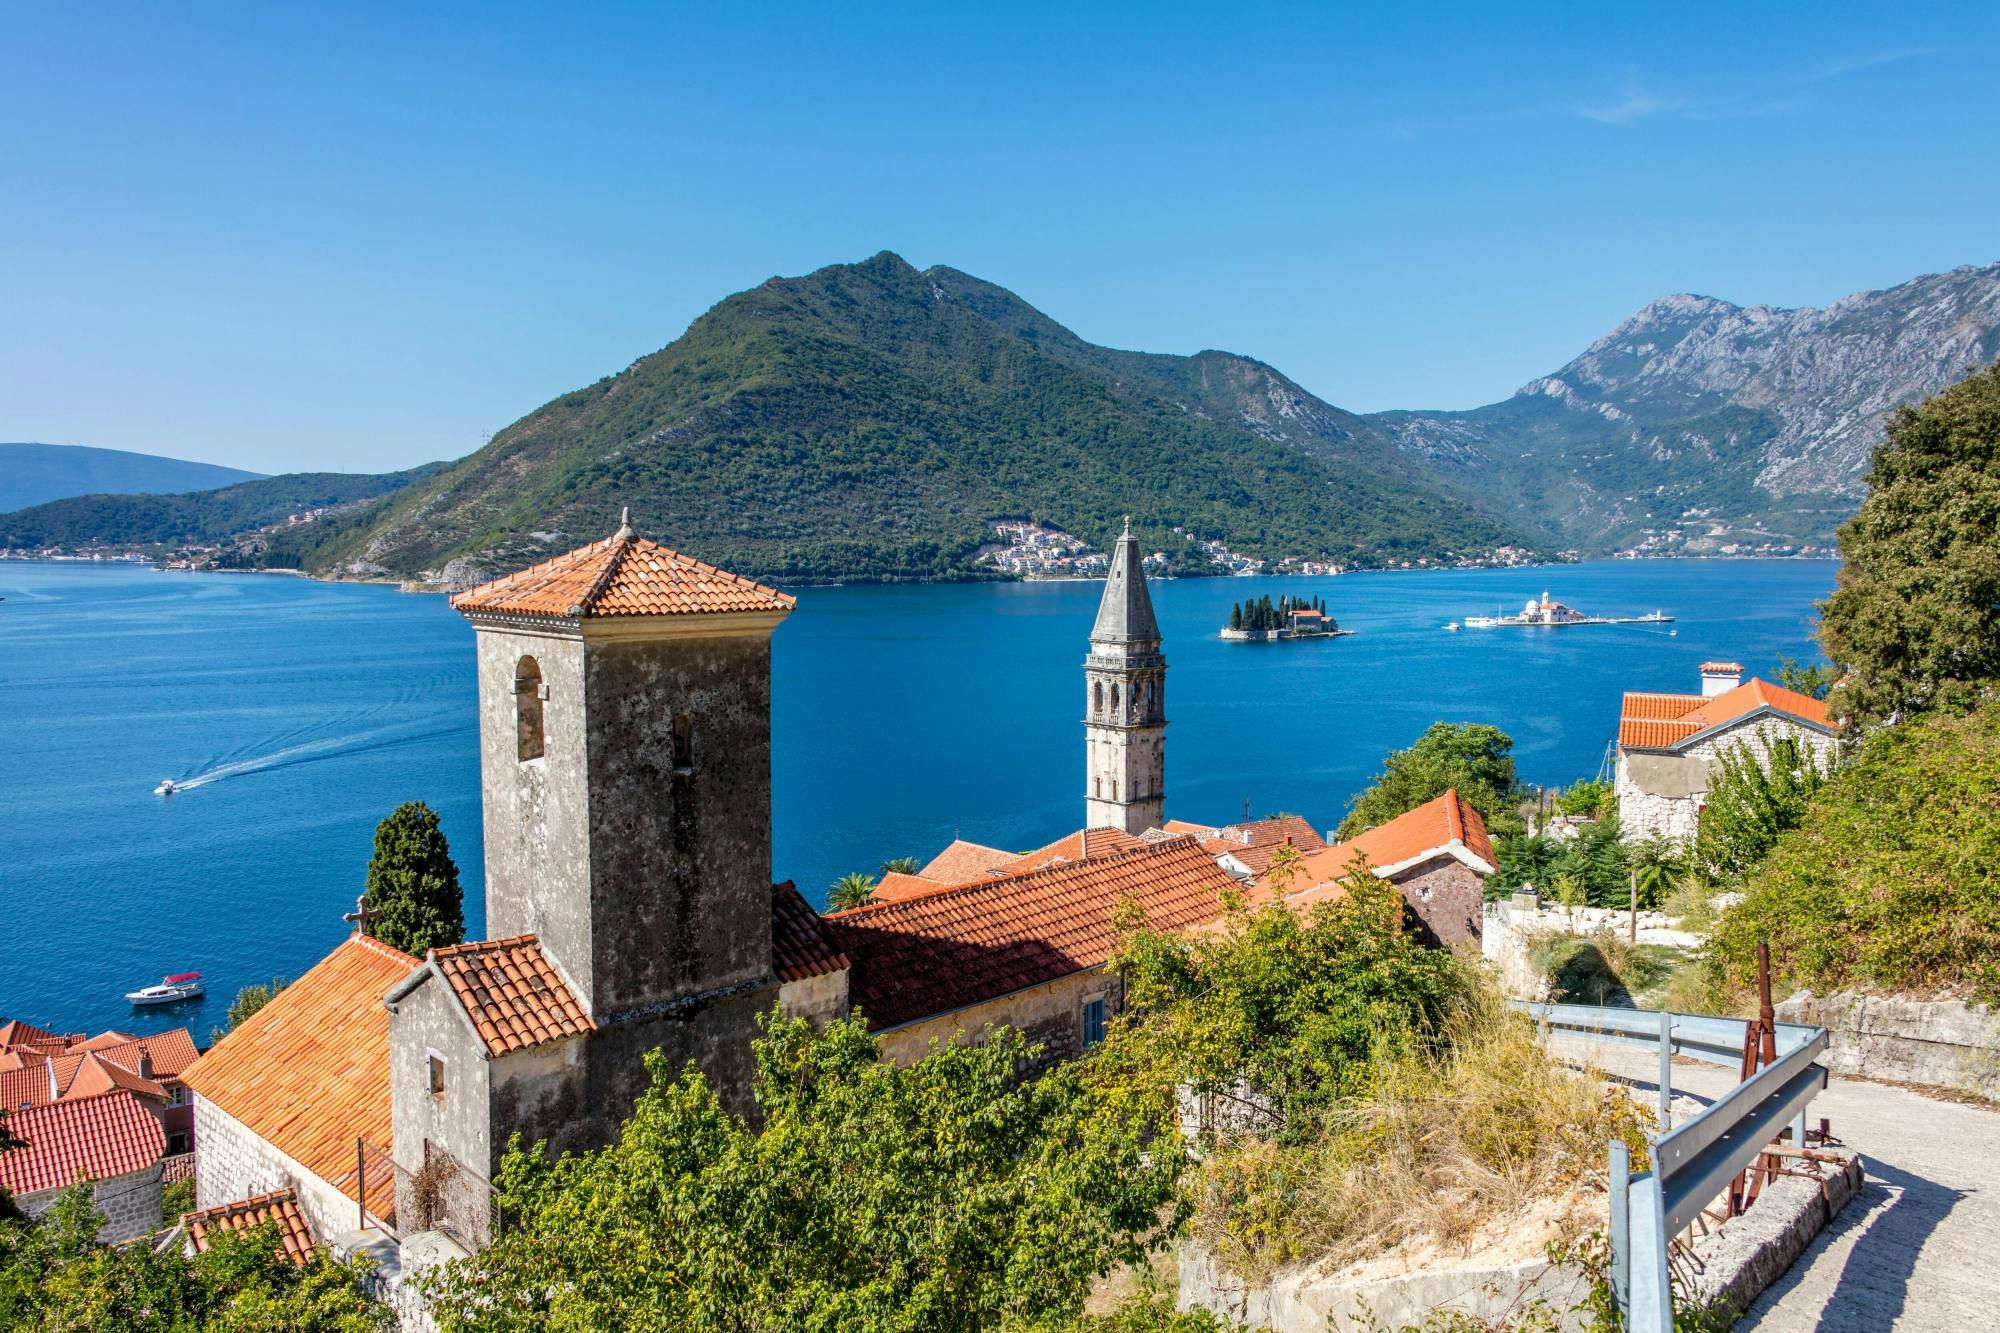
(1471, 756)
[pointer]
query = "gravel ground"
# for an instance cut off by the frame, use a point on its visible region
(1919, 1247)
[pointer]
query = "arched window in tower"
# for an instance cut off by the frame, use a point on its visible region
(1114, 699)
(529, 693)
(1097, 699)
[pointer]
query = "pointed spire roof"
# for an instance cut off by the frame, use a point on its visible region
(1126, 613)
(623, 575)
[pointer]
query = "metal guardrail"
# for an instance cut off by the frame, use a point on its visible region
(1692, 1162)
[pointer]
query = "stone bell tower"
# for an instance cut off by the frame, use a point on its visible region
(625, 766)
(1125, 702)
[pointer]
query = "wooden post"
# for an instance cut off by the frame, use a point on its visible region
(1632, 934)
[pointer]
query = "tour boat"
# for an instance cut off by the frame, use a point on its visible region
(171, 990)
(166, 787)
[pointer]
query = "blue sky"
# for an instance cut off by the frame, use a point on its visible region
(359, 237)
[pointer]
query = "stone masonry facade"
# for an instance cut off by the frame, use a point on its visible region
(236, 1163)
(1661, 793)
(131, 1204)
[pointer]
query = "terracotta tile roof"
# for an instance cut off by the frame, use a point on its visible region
(894, 886)
(512, 993)
(962, 860)
(1662, 721)
(978, 941)
(1183, 826)
(1434, 828)
(92, 1138)
(309, 1072)
(1721, 667)
(801, 944)
(280, 1207)
(1253, 844)
(96, 1076)
(13, 1032)
(26, 1086)
(1087, 844)
(622, 575)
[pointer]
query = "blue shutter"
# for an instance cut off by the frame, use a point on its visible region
(1093, 1022)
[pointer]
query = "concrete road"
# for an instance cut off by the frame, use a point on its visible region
(1919, 1247)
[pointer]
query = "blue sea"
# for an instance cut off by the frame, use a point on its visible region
(300, 713)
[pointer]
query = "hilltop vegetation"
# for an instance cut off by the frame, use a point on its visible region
(204, 517)
(871, 420)
(32, 474)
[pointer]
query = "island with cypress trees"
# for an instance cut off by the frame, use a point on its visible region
(1260, 620)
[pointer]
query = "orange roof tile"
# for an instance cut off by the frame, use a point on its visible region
(1649, 721)
(1087, 844)
(1435, 828)
(13, 1032)
(512, 993)
(90, 1138)
(96, 1075)
(279, 1207)
(895, 886)
(26, 1086)
(978, 941)
(801, 944)
(1253, 844)
(309, 1072)
(962, 860)
(622, 575)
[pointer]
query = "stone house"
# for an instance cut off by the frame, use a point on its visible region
(1438, 856)
(111, 1141)
(38, 1067)
(1668, 744)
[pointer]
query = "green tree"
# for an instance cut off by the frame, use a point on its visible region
(854, 889)
(1658, 864)
(55, 1274)
(1590, 798)
(902, 865)
(1475, 758)
(247, 1002)
(1815, 681)
(1751, 804)
(1914, 620)
(413, 883)
(1892, 878)
(949, 1194)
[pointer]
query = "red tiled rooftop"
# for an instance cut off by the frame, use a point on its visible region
(26, 1086)
(961, 861)
(801, 944)
(942, 951)
(309, 1072)
(894, 886)
(88, 1138)
(622, 575)
(1649, 721)
(1087, 844)
(13, 1032)
(512, 993)
(1434, 828)
(279, 1207)
(96, 1075)
(1253, 843)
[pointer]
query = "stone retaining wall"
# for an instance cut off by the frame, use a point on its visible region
(1941, 1043)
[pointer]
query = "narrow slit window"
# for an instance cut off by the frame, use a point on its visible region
(683, 744)
(529, 692)
(437, 1075)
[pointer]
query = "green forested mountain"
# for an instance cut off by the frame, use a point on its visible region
(206, 517)
(870, 420)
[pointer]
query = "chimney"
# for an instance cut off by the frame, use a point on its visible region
(1720, 678)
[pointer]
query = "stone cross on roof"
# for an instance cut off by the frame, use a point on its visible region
(361, 916)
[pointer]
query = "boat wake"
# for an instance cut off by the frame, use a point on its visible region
(310, 752)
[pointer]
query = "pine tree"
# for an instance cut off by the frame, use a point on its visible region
(1236, 615)
(413, 889)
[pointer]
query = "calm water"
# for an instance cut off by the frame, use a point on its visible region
(904, 716)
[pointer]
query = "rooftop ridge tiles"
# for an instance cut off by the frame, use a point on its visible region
(1049, 868)
(621, 547)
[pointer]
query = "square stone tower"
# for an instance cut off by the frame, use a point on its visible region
(1125, 702)
(625, 762)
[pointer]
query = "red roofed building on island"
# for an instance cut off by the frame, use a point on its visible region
(1669, 744)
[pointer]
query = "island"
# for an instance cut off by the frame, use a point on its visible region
(1261, 620)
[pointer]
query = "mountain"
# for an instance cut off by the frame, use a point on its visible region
(214, 517)
(33, 473)
(1697, 424)
(870, 420)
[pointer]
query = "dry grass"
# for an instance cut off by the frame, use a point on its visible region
(1443, 1155)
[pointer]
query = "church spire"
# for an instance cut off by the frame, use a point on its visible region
(1125, 615)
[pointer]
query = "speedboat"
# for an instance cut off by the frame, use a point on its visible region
(171, 990)
(1452, 626)
(166, 788)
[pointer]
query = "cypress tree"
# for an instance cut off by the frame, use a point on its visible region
(1236, 615)
(413, 886)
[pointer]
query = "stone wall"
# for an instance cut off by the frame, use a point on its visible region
(819, 1000)
(1662, 794)
(1941, 1043)
(1448, 897)
(426, 1022)
(234, 1164)
(129, 1203)
(1050, 1014)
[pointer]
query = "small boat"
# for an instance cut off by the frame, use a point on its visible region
(171, 990)
(166, 788)
(1453, 626)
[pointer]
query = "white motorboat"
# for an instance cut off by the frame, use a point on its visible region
(171, 990)
(166, 788)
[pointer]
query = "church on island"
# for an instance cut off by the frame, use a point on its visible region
(624, 696)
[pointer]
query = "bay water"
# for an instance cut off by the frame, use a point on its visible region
(299, 713)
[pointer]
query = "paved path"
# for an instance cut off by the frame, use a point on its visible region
(1919, 1247)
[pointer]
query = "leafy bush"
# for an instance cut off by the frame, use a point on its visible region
(1892, 879)
(946, 1195)
(1475, 758)
(1752, 803)
(1590, 798)
(1593, 866)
